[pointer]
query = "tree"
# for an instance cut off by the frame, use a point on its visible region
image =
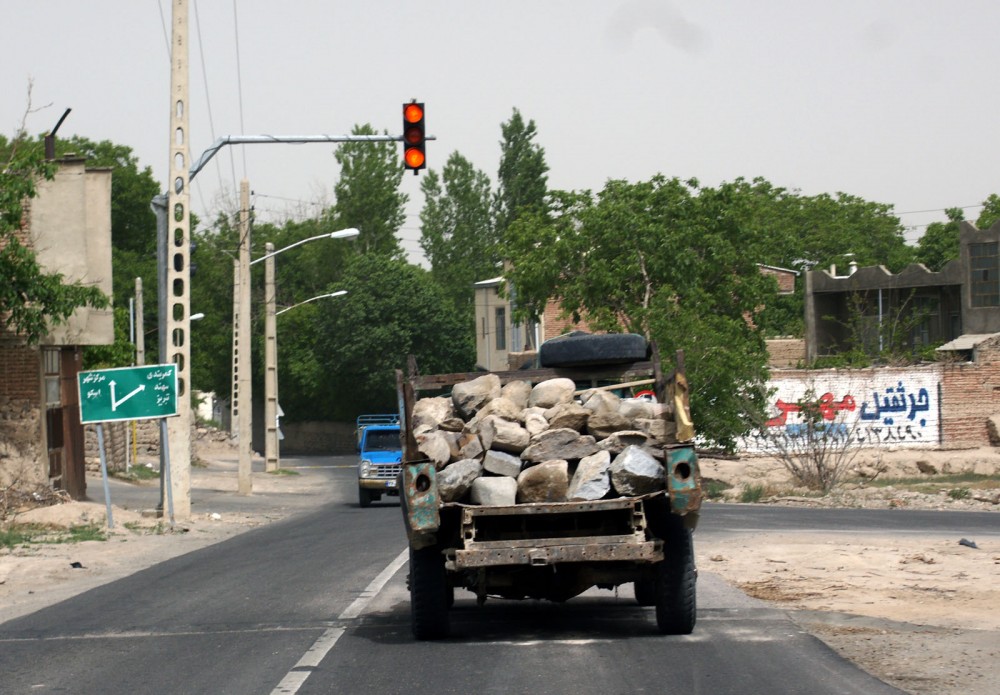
(666, 259)
(990, 212)
(939, 244)
(393, 310)
(457, 232)
(368, 195)
(31, 300)
(522, 179)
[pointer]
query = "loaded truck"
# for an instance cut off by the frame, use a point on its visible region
(379, 457)
(568, 517)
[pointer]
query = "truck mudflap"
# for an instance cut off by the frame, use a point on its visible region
(683, 481)
(560, 532)
(420, 503)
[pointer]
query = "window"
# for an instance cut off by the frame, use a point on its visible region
(50, 363)
(501, 328)
(984, 274)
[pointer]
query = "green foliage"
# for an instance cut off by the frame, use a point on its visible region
(522, 177)
(456, 229)
(959, 493)
(17, 535)
(990, 213)
(368, 195)
(31, 300)
(750, 494)
(939, 244)
(665, 259)
(393, 310)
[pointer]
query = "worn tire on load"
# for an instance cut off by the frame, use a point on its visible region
(429, 594)
(676, 579)
(580, 349)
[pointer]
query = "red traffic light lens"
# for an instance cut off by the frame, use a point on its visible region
(414, 135)
(413, 113)
(414, 158)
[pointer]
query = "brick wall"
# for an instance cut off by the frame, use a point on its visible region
(786, 352)
(20, 410)
(970, 395)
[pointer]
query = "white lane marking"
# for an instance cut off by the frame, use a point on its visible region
(294, 679)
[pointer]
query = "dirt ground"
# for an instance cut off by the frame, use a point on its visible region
(920, 612)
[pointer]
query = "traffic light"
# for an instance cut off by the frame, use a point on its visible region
(414, 137)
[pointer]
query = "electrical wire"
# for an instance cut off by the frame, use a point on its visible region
(239, 84)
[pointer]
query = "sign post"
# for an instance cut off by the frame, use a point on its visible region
(128, 393)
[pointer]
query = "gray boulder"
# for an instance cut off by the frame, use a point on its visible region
(569, 415)
(432, 412)
(634, 472)
(455, 481)
(494, 492)
(436, 447)
(602, 424)
(503, 435)
(518, 392)
(559, 444)
(502, 463)
(600, 401)
(592, 479)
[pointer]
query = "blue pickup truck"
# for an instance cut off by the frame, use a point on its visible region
(380, 451)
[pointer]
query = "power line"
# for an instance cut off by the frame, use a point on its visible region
(239, 83)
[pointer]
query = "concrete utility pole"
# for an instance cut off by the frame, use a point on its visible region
(243, 398)
(271, 462)
(140, 333)
(177, 321)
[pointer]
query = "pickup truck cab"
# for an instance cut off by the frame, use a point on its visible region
(380, 454)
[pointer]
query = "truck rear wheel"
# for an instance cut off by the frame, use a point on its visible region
(645, 592)
(364, 497)
(675, 582)
(429, 594)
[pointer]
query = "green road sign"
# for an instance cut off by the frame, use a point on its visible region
(129, 393)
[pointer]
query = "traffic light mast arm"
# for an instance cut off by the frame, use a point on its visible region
(207, 155)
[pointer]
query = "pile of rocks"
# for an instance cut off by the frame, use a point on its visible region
(519, 443)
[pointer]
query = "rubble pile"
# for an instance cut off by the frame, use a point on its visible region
(519, 443)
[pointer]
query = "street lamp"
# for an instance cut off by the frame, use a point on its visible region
(338, 293)
(271, 344)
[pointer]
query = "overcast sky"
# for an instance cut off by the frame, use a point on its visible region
(894, 101)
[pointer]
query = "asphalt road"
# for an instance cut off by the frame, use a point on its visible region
(318, 604)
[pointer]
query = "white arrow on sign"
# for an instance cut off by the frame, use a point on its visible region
(114, 403)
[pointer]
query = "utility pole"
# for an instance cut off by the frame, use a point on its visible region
(177, 320)
(243, 398)
(271, 462)
(140, 333)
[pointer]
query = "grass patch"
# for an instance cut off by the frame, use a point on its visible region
(959, 486)
(714, 489)
(752, 493)
(18, 535)
(283, 471)
(136, 474)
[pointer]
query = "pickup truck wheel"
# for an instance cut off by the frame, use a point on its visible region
(429, 594)
(364, 497)
(676, 578)
(645, 592)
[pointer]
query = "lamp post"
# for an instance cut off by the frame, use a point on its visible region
(271, 455)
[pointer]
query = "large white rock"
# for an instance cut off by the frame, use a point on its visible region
(600, 401)
(470, 396)
(551, 392)
(517, 391)
(592, 479)
(499, 491)
(436, 447)
(534, 421)
(456, 480)
(634, 408)
(432, 412)
(546, 482)
(502, 407)
(604, 423)
(502, 463)
(634, 472)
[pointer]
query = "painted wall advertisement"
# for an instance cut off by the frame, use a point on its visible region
(891, 410)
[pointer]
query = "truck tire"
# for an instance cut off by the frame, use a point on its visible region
(579, 349)
(645, 592)
(676, 579)
(364, 497)
(429, 594)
